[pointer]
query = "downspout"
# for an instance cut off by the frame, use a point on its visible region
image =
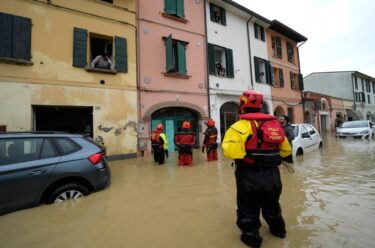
(207, 65)
(138, 74)
(249, 44)
(299, 71)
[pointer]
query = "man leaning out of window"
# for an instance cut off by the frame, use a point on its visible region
(102, 62)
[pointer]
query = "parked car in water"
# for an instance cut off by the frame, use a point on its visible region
(49, 167)
(357, 129)
(307, 139)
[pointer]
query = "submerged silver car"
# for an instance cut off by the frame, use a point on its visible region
(49, 167)
(357, 129)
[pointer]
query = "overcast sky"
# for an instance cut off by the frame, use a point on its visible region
(340, 33)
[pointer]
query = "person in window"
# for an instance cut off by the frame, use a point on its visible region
(220, 70)
(102, 62)
(261, 77)
(217, 16)
(288, 128)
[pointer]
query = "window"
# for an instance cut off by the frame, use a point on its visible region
(368, 99)
(19, 150)
(296, 81)
(362, 84)
(310, 129)
(290, 52)
(217, 14)
(3, 128)
(368, 86)
(175, 56)
(99, 45)
(259, 32)
(278, 77)
(101, 51)
(356, 82)
(67, 146)
(359, 97)
(15, 33)
(293, 80)
(174, 8)
(276, 47)
(48, 150)
(220, 60)
(263, 71)
(373, 87)
(291, 115)
(304, 132)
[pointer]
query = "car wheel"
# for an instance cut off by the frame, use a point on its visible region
(299, 152)
(66, 192)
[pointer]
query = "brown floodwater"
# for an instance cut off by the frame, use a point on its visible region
(328, 202)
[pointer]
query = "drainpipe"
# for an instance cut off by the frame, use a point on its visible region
(138, 73)
(207, 65)
(249, 44)
(299, 71)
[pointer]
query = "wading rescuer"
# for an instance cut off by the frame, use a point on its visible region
(159, 144)
(185, 141)
(257, 144)
(210, 141)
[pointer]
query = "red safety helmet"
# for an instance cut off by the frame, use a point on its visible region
(210, 123)
(186, 125)
(251, 99)
(160, 127)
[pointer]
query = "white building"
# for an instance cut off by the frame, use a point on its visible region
(349, 85)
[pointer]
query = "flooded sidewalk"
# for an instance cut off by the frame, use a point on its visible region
(328, 202)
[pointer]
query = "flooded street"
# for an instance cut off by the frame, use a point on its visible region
(328, 202)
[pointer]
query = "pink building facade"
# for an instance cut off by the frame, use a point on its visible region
(172, 75)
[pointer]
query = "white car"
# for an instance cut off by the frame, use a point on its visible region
(306, 139)
(357, 129)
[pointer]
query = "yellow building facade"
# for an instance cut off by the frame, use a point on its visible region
(47, 78)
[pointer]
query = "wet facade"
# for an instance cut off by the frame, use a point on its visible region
(172, 76)
(47, 80)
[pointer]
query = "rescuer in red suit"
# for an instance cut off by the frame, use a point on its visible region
(185, 141)
(210, 141)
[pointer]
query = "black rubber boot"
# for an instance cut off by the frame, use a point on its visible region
(278, 234)
(252, 239)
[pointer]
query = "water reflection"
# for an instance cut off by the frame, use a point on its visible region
(328, 202)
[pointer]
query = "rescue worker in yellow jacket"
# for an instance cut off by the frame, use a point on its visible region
(258, 144)
(159, 144)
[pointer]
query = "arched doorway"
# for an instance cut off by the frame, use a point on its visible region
(172, 119)
(228, 115)
(279, 111)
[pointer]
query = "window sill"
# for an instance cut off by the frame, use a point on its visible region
(176, 75)
(175, 18)
(106, 71)
(16, 61)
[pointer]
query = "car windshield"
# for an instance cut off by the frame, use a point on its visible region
(354, 124)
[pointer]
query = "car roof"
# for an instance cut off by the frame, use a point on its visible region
(38, 134)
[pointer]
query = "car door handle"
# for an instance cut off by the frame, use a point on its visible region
(37, 172)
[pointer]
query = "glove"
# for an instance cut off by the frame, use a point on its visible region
(288, 159)
(166, 153)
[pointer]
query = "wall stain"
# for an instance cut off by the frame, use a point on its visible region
(118, 131)
(105, 129)
(131, 124)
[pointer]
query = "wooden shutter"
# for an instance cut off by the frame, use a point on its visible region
(281, 77)
(223, 17)
(268, 72)
(256, 68)
(229, 58)
(180, 8)
(262, 34)
(279, 47)
(6, 23)
(21, 38)
(181, 57)
(256, 30)
(121, 54)
(169, 54)
(170, 7)
(300, 82)
(80, 47)
(211, 59)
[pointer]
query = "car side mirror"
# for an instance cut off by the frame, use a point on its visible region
(305, 135)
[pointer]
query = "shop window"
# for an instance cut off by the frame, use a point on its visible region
(175, 56)
(220, 61)
(15, 33)
(217, 14)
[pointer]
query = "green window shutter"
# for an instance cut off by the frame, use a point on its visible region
(212, 17)
(229, 58)
(262, 34)
(300, 82)
(6, 23)
(223, 17)
(121, 54)
(281, 76)
(181, 56)
(256, 67)
(211, 59)
(180, 8)
(21, 38)
(279, 47)
(291, 74)
(80, 47)
(255, 30)
(169, 53)
(268, 72)
(170, 7)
